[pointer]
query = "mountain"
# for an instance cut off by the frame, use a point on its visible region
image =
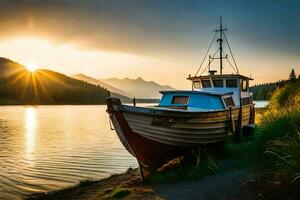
(114, 92)
(139, 88)
(20, 86)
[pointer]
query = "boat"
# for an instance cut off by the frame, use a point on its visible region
(217, 105)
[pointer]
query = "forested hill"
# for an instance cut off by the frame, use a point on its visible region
(20, 86)
(264, 91)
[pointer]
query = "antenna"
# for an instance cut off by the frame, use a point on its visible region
(220, 40)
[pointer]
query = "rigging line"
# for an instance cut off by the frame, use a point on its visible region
(209, 63)
(237, 69)
(234, 69)
(231, 65)
(206, 53)
(204, 70)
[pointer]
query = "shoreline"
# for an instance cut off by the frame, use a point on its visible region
(143, 101)
(231, 183)
(127, 184)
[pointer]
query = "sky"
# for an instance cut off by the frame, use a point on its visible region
(158, 40)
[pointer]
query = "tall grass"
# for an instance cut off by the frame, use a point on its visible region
(278, 138)
(287, 97)
(188, 170)
(275, 145)
(284, 123)
(283, 157)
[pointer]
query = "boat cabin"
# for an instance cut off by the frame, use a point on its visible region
(210, 92)
(213, 91)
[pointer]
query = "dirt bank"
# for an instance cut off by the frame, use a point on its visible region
(236, 184)
(127, 185)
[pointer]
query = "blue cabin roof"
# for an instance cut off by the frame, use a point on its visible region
(217, 93)
(192, 100)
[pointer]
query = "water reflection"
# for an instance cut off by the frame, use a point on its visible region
(46, 148)
(30, 133)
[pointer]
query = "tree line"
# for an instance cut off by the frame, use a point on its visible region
(264, 91)
(19, 86)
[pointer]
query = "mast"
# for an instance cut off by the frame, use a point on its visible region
(222, 35)
(221, 47)
(220, 40)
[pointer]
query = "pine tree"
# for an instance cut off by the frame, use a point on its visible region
(292, 75)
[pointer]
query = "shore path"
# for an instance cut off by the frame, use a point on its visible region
(227, 184)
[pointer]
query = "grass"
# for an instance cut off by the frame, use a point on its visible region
(286, 97)
(279, 139)
(188, 170)
(284, 156)
(275, 146)
(84, 183)
(118, 193)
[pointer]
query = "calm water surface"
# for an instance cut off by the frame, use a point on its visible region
(261, 104)
(49, 147)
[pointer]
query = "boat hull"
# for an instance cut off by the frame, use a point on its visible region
(155, 136)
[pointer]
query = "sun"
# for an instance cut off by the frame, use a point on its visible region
(31, 66)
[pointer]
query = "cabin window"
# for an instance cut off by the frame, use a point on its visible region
(244, 85)
(196, 84)
(231, 83)
(180, 100)
(246, 101)
(228, 101)
(205, 83)
(218, 82)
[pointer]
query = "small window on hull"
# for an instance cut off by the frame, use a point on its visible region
(218, 83)
(228, 101)
(180, 100)
(231, 83)
(205, 83)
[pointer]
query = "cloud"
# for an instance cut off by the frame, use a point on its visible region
(174, 31)
(127, 26)
(151, 27)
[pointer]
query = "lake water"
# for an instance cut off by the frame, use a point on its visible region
(261, 104)
(49, 147)
(44, 148)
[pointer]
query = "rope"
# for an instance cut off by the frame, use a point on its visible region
(237, 69)
(231, 65)
(234, 69)
(209, 63)
(110, 125)
(206, 54)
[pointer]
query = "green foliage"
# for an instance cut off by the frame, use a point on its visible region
(286, 97)
(278, 140)
(120, 193)
(282, 124)
(266, 90)
(234, 150)
(19, 86)
(87, 182)
(283, 157)
(188, 170)
(275, 145)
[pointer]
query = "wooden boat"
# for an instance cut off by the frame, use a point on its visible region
(184, 119)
